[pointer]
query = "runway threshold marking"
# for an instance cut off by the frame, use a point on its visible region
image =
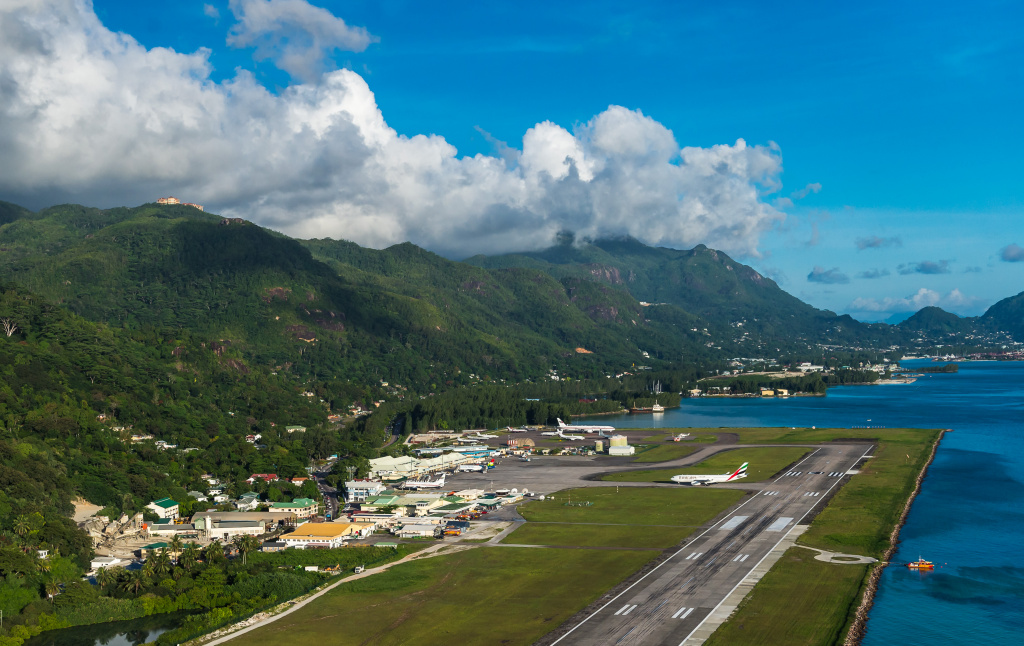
(623, 609)
(695, 555)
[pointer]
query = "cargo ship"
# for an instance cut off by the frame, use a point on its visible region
(921, 564)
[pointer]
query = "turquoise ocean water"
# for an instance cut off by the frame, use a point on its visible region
(969, 517)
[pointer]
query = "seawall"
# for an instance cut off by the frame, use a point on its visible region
(859, 626)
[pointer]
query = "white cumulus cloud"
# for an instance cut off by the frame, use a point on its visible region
(92, 116)
(294, 34)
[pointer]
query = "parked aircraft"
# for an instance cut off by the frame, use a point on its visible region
(583, 428)
(680, 437)
(704, 480)
(516, 430)
(570, 437)
(551, 433)
(483, 436)
(425, 484)
(471, 468)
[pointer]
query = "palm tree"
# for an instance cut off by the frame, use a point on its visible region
(161, 562)
(214, 552)
(52, 587)
(106, 576)
(245, 544)
(22, 526)
(135, 582)
(188, 556)
(175, 545)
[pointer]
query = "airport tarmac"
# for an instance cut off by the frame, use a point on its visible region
(547, 474)
(669, 603)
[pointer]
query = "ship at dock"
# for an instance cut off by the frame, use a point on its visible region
(656, 408)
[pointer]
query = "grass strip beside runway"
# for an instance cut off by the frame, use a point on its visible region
(620, 516)
(631, 506)
(478, 596)
(666, 452)
(582, 535)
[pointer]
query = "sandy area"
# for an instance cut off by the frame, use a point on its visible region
(84, 509)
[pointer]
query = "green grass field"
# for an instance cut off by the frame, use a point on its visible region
(799, 602)
(486, 595)
(598, 535)
(764, 463)
(666, 452)
(620, 516)
(680, 507)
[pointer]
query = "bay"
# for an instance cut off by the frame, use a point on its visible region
(969, 517)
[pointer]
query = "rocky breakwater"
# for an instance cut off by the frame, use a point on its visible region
(860, 620)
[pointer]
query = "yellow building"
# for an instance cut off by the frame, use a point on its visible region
(325, 535)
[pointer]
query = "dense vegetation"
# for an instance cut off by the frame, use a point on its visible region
(215, 590)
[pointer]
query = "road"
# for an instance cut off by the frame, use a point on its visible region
(669, 603)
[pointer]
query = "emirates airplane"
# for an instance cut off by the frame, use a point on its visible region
(705, 480)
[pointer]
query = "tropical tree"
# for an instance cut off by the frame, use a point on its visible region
(214, 552)
(52, 587)
(175, 545)
(135, 582)
(161, 562)
(107, 575)
(188, 556)
(22, 526)
(246, 544)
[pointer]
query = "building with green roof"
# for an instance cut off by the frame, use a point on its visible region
(300, 507)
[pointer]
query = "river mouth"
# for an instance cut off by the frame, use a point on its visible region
(115, 633)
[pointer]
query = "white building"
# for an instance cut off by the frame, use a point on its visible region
(164, 508)
(360, 490)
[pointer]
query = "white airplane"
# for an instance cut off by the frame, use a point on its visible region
(551, 433)
(680, 437)
(471, 468)
(515, 430)
(570, 437)
(425, 484)
(703, 481)
(483, 436)
(584, 428)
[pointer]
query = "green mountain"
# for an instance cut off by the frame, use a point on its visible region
(1007, 314)
(325, 309)
(705, 283)
(935, 320)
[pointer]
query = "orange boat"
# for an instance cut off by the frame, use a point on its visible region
(921, 564)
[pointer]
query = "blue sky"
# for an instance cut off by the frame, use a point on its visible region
(906, 114)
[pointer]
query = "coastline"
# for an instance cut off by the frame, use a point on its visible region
(859, 626)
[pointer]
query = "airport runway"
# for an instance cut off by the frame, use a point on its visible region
(669, 603)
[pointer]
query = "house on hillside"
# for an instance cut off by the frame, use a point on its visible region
(248, 501)
(266, 477)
